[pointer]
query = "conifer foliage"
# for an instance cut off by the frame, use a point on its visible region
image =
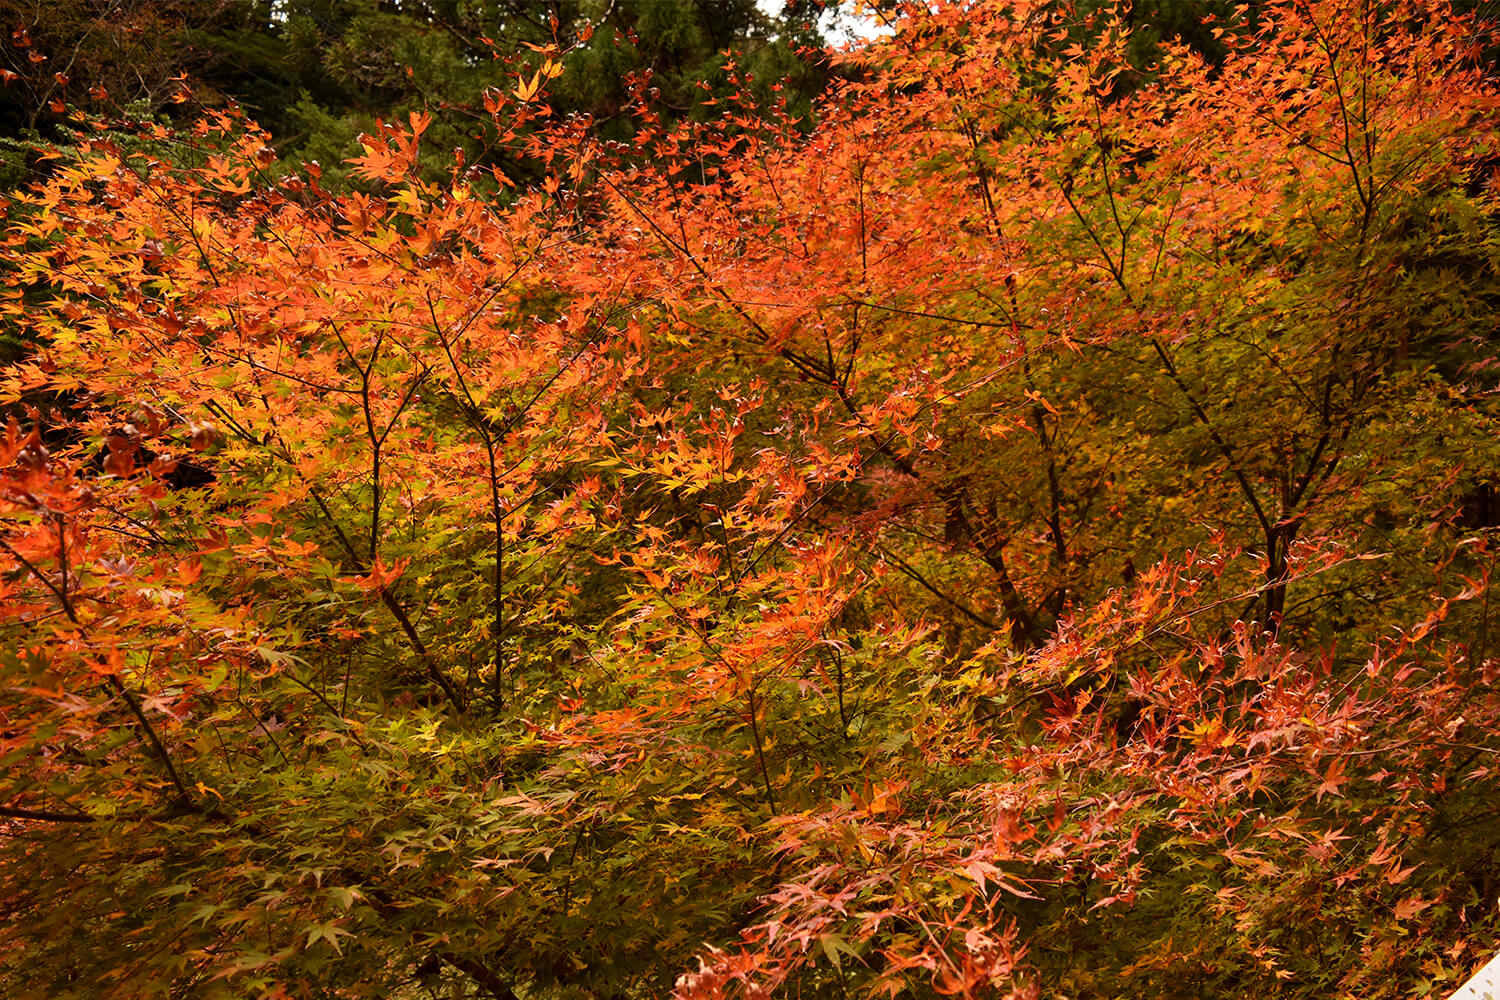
(1025, 536)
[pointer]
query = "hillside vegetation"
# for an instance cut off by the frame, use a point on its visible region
(1026, 531)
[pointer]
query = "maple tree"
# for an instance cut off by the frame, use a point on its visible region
(1021, 537)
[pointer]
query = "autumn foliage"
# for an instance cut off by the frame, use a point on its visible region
(1030, 536)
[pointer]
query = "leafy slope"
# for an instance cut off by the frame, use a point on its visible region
(1018, 540)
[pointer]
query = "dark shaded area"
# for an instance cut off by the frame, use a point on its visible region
(318, 73)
